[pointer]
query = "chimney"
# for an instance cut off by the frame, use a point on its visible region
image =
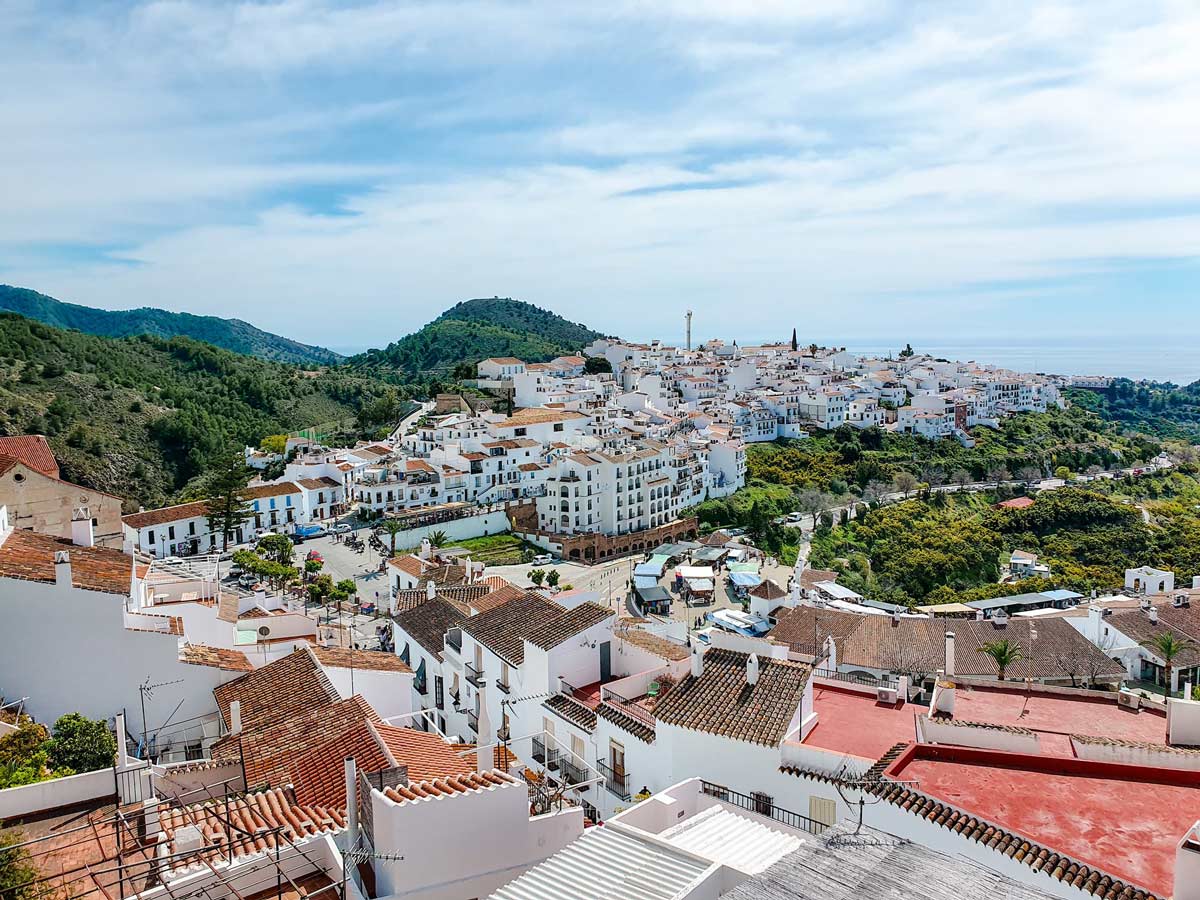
(81, 527)
(1000, 619)
(235, 717)
(697, 660)
(1153, 614)
(122, 749)
(949, 664)
(1187, 865)
(430, 590)
(352, 800)
(62, 568)
(752, 669)
(895, 619)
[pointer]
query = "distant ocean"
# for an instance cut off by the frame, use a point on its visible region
(1171, 358)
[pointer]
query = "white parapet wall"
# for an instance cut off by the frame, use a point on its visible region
(947, 731)
(492, 522)
(55, 793)
(1133, 754)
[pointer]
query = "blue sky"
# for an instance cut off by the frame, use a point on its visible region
(342, 172)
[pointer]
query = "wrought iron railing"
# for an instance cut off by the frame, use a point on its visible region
(503, 687)
(763, 805)
(885, 681)
(474, 675)
(616, 782)
(630, 708)
(573, 774)
(454, 643)
(473, 721)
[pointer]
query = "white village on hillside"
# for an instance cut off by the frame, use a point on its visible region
(639, 708)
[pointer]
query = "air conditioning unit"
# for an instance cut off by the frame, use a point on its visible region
(264, 631)
(886, 695)
(1128, 700)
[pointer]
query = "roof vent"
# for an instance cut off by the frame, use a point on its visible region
(1153, 616)
(752, 669)
(1000, 618)
(1181, 600)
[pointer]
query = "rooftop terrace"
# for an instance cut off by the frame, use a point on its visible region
(1122, 819)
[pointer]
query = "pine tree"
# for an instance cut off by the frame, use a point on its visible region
(225, 491)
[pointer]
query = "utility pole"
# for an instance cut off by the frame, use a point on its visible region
(689, 329)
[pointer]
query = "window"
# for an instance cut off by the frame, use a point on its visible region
(558, 426)
(170, 532)
(519, 432)
(191, 527)
(438, 694)
(150, 539)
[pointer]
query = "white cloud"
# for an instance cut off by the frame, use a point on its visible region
(843, 163)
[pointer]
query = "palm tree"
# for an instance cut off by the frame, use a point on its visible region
(1166, 646)
(438, 538)
(392, 527)
(1004, 653)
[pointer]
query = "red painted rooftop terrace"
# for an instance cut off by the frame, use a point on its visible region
(855, 723)
(1122, 819)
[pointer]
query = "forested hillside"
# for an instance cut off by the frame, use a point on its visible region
(477, 329)
(231, 334)
(1159, 409)
(143, 416)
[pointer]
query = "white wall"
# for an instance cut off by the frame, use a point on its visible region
(68, 650)
(938, 731)
(32, 798)
(494, 841)
(494, 522)
(1183, 722)
(389, 693)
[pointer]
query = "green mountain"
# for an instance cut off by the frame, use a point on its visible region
(478, 329)
(142, 417)
(231, 334)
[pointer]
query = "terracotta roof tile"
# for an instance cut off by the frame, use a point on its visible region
(626, 722)
(497, 597)
(372, 660)
(216, 657)
(166, 514)
(434, 788)
(572, 710)
(503, 630)
(288, 686)
(31, 449)
(428, 622)
(29, 555)
(652, 643)
(425, 754)
(721, 701)
(569, 624)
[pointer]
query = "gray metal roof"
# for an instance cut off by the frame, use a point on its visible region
(1014, 600)
(607, 864)
(873, 865)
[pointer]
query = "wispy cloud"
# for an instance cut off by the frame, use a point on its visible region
(835, 165)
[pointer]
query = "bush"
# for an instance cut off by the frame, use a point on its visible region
(81, 744)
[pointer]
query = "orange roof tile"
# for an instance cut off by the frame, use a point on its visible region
(30, 556)
(31, 449)
(426, 755)
(374, 660)
(216, 657)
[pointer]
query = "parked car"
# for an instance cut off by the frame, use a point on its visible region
(248, 580)
(340, 528)
(543, 559)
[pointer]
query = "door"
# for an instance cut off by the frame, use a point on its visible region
(605, 661)
(616, 755)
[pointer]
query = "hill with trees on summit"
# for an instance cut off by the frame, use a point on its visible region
(475, 330)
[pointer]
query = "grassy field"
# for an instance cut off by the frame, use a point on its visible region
(494, 549)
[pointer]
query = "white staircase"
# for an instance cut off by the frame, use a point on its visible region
(735, 840)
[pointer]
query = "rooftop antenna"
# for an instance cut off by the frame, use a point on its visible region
(146, 689)
(689, 329)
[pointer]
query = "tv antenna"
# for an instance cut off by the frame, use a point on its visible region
(866, 788)
(146, 689)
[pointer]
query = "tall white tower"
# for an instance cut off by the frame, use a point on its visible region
(689, 329)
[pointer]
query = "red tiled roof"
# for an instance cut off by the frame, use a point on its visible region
(424, 754)
(722, 702)
(1017, 503)
(293, 684)
(31, 449)
(216, 657)
(270, 490)
(195, 509)
(374, 660)
(30, 556)
(443, 787)
(316, 483)
(409, 564)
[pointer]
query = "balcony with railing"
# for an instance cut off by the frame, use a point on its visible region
(763, 805)
(503, 686)
(473, 721)
(474, 676)
(572, 772)
(454, 642)
(616, 782)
